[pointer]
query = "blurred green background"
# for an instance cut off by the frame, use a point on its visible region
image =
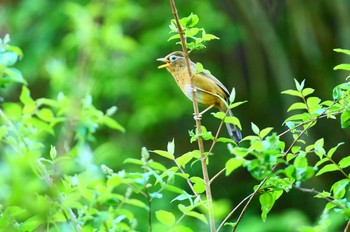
(109, 48)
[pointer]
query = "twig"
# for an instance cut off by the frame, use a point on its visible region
(188, 181)
(198, 123)
(232, 211)
(347, 228)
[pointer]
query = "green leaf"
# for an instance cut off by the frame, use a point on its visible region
(114, 181)
(234, 105)
(165, 154)
(219, 115)
(307, 91)
(192, 20)
(332, 150)
(171, 147)
(319, 150)
(198, 184)
(45, 114)
(184, 159)
(265, 132)
(208, 37)
(339, 188)
(111, 123)
(267, 201)
(297, 106)
(198, 216)
(232, 95)
(133, 161)
(176, 36)
(165, 217)
(345, 67)
(233, 120)
(232, 164)
(255, 129)
(53, 152)
(344, 162)
(327, 168)
(345, 119)
(136, 203)
(292, 92)
(299, 86)
(345, 51)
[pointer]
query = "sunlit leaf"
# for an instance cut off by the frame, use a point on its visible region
(165, 217)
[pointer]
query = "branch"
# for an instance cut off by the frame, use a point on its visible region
(198, 123)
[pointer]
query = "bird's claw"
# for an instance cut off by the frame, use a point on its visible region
(197, 116)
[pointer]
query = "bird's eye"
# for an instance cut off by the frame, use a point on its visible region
(173, 58)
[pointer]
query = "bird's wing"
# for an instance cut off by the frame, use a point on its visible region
(210, 76)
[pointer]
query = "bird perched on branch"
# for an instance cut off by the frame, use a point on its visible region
(209, 90)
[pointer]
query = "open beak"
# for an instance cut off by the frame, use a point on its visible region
(163, 60)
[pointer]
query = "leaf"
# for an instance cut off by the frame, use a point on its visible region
(345, 119)
(208, 37)
(292, 92)
(255, 129)
(45, 114)
(233, 120)
(184, 159)
(111, 123)
(232, 164)
(327, 168)
(232, 95)
(342, 67)
(192, 20)
(171, 147)
(297, 106)
(219, 115)
(265, 132)
(136, 203)
(299, 86)
(307, 91)
(344, 162)
(165, 217)
(266, 201)
(332, 150)
(344, 51)
(198, 216)
(165, 154)
(338, 188)
(53, 152)
(234, 105)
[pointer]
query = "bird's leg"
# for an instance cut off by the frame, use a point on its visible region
(199, 116)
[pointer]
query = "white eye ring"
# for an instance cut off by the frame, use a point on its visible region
(173, 58)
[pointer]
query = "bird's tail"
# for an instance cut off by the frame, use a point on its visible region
(233, 130)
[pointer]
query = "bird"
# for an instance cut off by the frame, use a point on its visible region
(209, 90)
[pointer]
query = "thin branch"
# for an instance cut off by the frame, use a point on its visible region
(197, 119)
(232, 211)
(188, 181)
(347, 228)
(217, 174)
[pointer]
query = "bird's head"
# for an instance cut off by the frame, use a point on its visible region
(173, 61)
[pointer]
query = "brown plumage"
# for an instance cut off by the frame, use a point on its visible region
(209, 90)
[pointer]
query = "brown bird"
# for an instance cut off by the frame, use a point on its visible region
(209, 90)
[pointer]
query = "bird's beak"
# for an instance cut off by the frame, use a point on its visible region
(163, 60)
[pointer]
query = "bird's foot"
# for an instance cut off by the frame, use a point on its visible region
(197, 116)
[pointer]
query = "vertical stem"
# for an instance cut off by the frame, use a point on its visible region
(198, 122)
